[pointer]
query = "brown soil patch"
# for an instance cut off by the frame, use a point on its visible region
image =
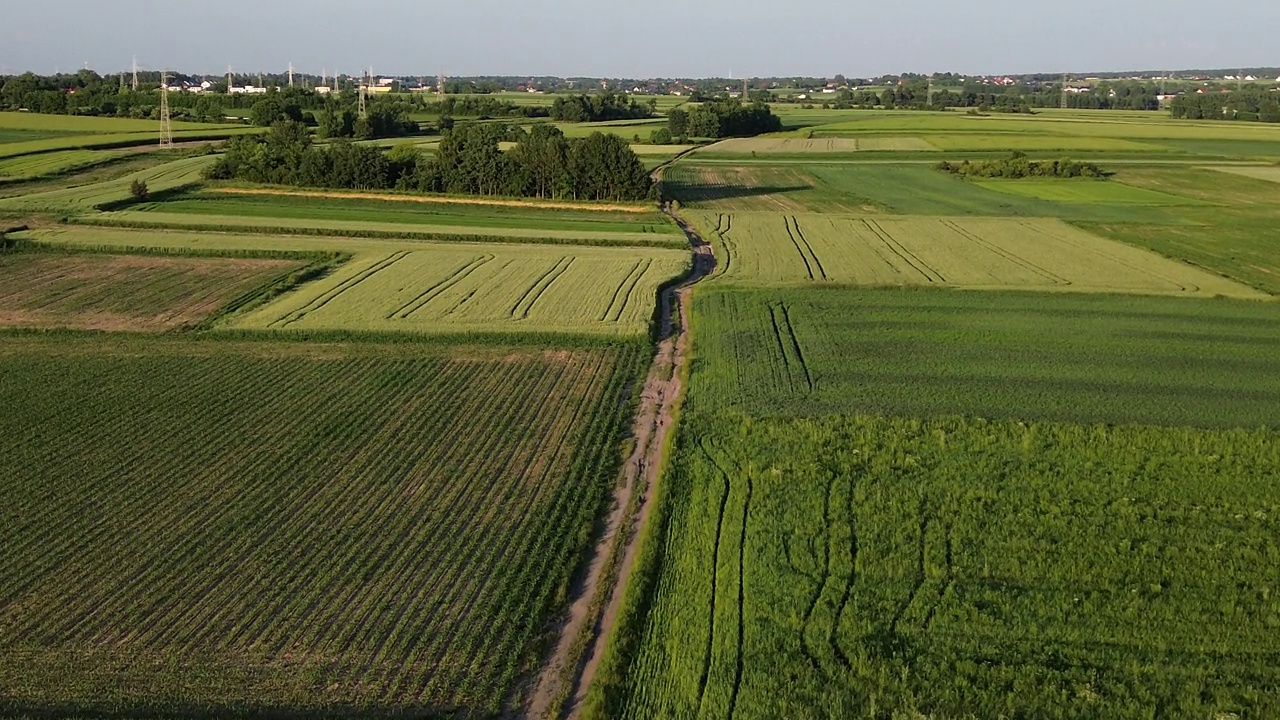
(432, 199)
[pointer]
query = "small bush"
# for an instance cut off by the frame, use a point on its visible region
(138, 189)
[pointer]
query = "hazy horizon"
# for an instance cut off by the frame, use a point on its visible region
(704, 38)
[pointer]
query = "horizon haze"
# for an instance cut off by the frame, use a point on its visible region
(705, 38)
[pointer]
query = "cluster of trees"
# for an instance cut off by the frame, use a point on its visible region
(482, 107)
(470, 160)
(1018, 166)
(1247, 105)
(600, 107)
(721, 118)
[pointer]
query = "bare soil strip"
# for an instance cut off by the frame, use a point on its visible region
(662, 393)
(434, 199)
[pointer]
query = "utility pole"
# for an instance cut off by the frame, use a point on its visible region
(166, 126)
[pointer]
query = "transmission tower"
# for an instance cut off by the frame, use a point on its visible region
(135, 73)
(1064, 91)
(362, 109)
(166, 126)
(290, 74)
(440, 85)
(230, 83)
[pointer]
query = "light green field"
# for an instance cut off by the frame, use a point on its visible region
(31, 166)
(427, 287)
(170, 176)
(1084, 191)
(112, 140)
(978, 253)
(1009, 142)
(1268, 173)
(790, 145)
(81, 124)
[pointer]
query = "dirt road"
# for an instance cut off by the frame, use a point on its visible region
(562, 685)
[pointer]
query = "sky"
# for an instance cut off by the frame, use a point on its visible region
(654, 38)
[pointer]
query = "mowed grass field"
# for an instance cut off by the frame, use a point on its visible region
(428, 287)
(980, 253)
(179, 173)
(24, 133)
(129, 292)
(201, 528)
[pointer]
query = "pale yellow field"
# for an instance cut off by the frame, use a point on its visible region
(1269, 173)
(979, 253)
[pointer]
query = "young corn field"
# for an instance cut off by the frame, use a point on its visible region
(204, 528)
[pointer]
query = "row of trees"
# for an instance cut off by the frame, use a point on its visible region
(722, 119)
(1018, 166)
(600, 107)
(1248, 105)
(470, 160)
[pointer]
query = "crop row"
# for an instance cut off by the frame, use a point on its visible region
(309, 529)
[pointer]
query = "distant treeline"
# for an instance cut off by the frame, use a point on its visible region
(469, 161)
(1250, 105)
(1018, 166)
(721, 118)
(601, 107)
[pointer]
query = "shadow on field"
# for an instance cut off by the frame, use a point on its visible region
(688, 192)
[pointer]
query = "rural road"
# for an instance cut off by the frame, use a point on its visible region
(562, 685)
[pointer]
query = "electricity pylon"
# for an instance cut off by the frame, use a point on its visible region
(166, 125)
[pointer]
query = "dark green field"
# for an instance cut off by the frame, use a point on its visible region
(926, 353)
(497, 217)
(204, 528)
(894, 567)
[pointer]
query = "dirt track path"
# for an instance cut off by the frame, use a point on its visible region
(562, 685)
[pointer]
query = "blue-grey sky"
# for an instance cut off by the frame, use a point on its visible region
(651, 38)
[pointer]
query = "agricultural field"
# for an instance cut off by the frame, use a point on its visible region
(977, 253)
(433, 287)
(220, 210)
(32, 133)
(849, 567)
(826, 146)
(897, 189)
(203, 527)
(1009, 355)
(89, 291)
(1086, 191)
(1270, 174)
(30, 166)
(170, 176)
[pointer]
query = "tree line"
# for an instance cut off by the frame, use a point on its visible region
(543, 163)
(601, 107)
(1018, 166)
(719, 118)
(1249, 105)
